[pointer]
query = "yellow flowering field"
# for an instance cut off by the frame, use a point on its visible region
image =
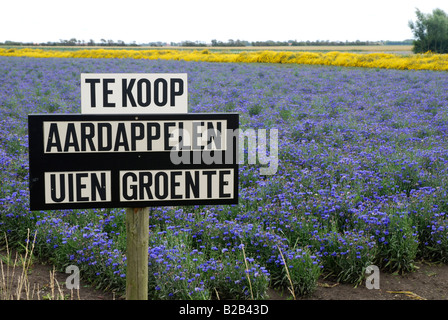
(427, 61)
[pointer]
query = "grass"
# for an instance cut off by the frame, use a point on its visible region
(14, 273)
(291, 289)
(15, 284)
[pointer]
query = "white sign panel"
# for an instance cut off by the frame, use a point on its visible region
(134, 93)
(158, 185)
(133, 136)
(80, 186)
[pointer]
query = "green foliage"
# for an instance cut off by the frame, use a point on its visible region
(301, 271)
(397, 244)
(428, 215)
(345, 256)
(177, 272)
(430, 32)
(255, 110)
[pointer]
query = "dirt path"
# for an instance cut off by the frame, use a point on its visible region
(428, 282)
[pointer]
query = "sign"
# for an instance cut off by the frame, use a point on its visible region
(99, 161)
(131, 93)
(136, 135)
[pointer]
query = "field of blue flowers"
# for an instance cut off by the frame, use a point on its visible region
(361, 179)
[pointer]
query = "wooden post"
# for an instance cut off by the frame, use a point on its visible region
(137, 237)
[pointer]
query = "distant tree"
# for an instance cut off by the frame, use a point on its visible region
(430, 32)
(189, 43)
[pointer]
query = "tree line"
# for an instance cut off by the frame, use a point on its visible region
(271, 43)
(214, 43)
(72, 42)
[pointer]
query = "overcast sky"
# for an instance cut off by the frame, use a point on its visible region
(203, 20)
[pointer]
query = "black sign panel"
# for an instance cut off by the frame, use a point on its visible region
(141, 160)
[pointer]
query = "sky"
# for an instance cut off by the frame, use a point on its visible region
(144, 21)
